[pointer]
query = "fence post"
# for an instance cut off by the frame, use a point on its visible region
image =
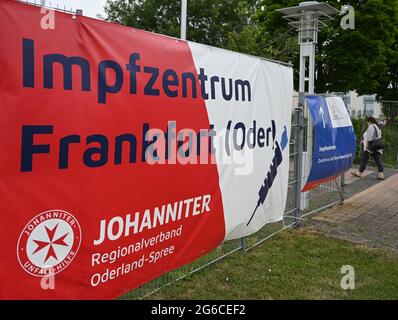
(342, 185)
(243, 243)
(396, 161)
(299, 158)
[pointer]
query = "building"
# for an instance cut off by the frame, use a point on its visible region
(361, 106)
(357, 106)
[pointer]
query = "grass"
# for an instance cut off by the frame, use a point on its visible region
(296, 264)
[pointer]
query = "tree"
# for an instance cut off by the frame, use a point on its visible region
(364, 59)
(360, 59)
(209, 22)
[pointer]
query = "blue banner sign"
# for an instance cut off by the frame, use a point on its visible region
(334, 142)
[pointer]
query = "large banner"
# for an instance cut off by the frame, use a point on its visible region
(126, 154)
(334, 142)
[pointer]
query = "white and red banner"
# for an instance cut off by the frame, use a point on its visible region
(126, 154)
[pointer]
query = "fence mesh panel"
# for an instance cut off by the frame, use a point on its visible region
(388, 123)
(315, 200)
(389, 127)
(322, 196)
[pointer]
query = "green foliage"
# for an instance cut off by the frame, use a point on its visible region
(360, 59)
(390, 111)
(152, 15)
(364, 59)
(359, 125)
(209, 22)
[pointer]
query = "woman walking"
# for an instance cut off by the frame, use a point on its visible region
(371, 134)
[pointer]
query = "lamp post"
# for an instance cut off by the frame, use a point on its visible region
(307, 18)
(183, 32)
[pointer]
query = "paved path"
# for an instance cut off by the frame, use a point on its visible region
(369, 217)
(349, 178)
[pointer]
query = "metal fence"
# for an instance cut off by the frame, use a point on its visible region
(389, 127)
(297, 208)
(388, 122)
(52, 5)
(298, 205)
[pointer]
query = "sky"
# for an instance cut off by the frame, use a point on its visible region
(90, 7)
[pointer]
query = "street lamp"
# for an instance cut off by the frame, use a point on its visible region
(183, 26)
(308, 18)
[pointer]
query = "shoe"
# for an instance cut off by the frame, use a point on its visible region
(355, 174)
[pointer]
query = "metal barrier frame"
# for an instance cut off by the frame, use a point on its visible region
(294, 214)
(293, 217)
